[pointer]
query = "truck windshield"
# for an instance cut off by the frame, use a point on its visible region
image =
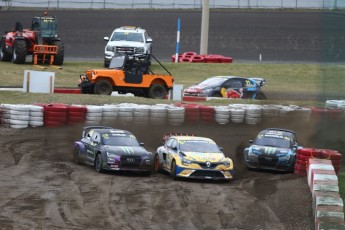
(127, 36)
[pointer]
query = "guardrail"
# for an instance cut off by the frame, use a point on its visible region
(174, 4)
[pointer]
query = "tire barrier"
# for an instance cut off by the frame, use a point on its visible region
(193, 57)
(55, 115)
(58, 114)
(94, 115)
(323, 183)
(76, 114)
(222, 114)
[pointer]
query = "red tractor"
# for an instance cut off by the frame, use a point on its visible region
(41, 41)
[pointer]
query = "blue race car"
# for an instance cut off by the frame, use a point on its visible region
(107, 148)
(273, 149)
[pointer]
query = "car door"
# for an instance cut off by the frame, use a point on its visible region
(93, 147)
(172, 150)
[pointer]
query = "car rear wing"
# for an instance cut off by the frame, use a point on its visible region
(260, 81)
(168, 135)
(86, 129)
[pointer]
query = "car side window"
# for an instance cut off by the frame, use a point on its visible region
(88, 135)
(169, 142)
(174, 144)
(96, 137)
(248, 83)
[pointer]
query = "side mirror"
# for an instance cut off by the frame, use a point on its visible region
(221, 148)
(251, 141)
(141, 144)
(106, 38)
(149, 40)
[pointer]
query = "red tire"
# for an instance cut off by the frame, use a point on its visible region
(301, 162)
(178, 57)
(198, 59)
(315, 153)
(74, 108)
(57, 107)
(189, 54)
(53, 124)
(185, 59)
(226, 60)
(330, 154)
(75, 114)
(302, 157)
(300, 172)
(213, 58)
(300, 167)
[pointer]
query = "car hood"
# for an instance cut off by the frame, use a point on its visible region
(267, 150)
(204, 157)
(127, 150)
(126, 44)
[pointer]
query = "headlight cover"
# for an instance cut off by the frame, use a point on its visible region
(110, 48)
(140, 49)
(185, 161)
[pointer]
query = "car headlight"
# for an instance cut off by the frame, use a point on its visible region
(226, 162)
(285, 158)
(110, 48)
(111, 155)
(140, 50)
(185, 161)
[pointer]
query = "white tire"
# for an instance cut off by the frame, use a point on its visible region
(20, 117)
(36, 123)
(18, 122)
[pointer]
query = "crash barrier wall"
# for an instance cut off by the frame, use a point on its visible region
(323, 183)
(193, 57)
(57, 114)
(175, 4)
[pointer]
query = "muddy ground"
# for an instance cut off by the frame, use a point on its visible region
(41, 188)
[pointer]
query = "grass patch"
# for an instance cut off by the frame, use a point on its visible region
(341, 179)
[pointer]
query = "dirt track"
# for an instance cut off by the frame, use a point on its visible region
(41, 188)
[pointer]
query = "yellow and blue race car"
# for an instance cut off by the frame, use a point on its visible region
(189, 156)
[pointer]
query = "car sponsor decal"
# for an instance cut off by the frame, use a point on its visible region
(127, 150)
(270, 150)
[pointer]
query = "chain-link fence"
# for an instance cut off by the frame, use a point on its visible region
(174, 4)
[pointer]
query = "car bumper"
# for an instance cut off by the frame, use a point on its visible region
(144, 165)
(269, 165)
(209, 174)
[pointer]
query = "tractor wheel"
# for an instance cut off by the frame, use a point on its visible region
(19, 52)
(58, 59)
(157, 92)
(3, 55)
(103, 87)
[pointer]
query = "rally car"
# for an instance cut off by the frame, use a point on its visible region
(184, 155)
(272, 149)
(228, 87)
(107, 148)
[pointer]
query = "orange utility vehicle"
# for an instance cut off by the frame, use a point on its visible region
(128, 74)
(41, 41)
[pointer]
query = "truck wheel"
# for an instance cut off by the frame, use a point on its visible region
(19, 52)
(3, 55)
(103, 87)
(58, 59)
(157, 92)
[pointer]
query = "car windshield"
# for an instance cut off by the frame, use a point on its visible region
(213, 81)
(127, 36)
(201, 146)
(117, 61)
(273, 141)
(121, 141)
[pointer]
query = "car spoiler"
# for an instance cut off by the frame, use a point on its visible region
(168, 135)
(260, 81)
(86, 129)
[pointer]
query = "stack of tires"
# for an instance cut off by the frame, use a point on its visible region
(125, 113)
(207, 113)
(270, 113)
(158, 114)
(36, 114)
(237, 113)
(94, 115)
(109, 113)
(334, 156)
(193, 57)
(76, 114)
(17, 116)
(302, 157)
(222, 114)
(285, 112)
(192, 113)
(253, 114)
(141, 114)
(55, 115)
(176, 115)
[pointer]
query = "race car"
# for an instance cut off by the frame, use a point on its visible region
(189, 156)
(107, 148)
(272, 149)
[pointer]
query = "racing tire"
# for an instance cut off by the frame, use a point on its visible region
(4, 56)
(157, 92)
(260, 96)
(76, 158)
(173, 170)
(19, 52)
(103, 87)
(58, 59)
(156, 163)
(98, 163)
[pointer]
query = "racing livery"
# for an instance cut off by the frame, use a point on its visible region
(273, 149)
(192, 157)
(107, 148)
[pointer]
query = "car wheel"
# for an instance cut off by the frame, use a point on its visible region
(76, 154)
(98, 163)
(103, 87)
(157, 92)
(173, 170)
(216, 94)
(156, 164)
(19, 52)
(260, 96)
